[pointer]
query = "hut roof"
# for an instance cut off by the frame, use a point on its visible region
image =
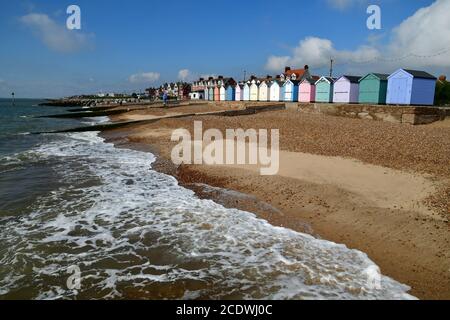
(279, 82)
(381, 76)
(352, 79)
(420, 74)
(328, 79)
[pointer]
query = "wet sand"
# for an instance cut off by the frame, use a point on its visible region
(377, 187)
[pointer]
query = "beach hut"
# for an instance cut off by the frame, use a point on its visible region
(307, 90)
(290, 90)
(346, 89)
(211, 94)
(373, 88)
(230, 93)
(254, 91)
(246, 96)
(216, 93)
(239, 92)
(411, 87)
(324, 89)
(264, 90)
(223, 93)
(206, 94)
(275, 90)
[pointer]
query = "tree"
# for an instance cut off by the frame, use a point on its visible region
(442, 92)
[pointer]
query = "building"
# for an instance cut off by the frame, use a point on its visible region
(346, 89)
(290, 90)
(411, 87)
(223, 92)
(184, 90)
(307, 90)
(217, 93)
(254, 90)
(197, 95)
(211, 93)
(373, 88)
(324, 89)
(239, 92)
(264, 86)
(246, 91)
(276, 90)
(295, 74)
(230, 93)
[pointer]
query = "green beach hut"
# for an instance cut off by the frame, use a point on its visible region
(373, 88)
(324, 89)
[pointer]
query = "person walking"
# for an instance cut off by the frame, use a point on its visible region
(165, 98)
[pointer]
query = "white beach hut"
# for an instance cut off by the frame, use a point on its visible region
(254, 91)
(275, 90)
(246, 95)
(223, 93)
(264, 90)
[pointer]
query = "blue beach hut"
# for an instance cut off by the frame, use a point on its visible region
(411, 87)
(230, 93)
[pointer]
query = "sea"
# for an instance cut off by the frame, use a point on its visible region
(81, 219)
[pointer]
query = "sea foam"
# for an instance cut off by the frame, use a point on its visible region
(135, 233)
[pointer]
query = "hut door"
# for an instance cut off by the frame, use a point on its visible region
(401, 89)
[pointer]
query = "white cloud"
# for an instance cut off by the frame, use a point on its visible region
(317, 52)
(145, 77)
(184, 75)
(55, 36)
(423, 34)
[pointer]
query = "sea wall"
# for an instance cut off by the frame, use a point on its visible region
(414, 115)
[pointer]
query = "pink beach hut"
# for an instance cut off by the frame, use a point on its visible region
(307, 91)
(239, 96)
(216, 93)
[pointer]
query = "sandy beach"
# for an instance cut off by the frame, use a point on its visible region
(378, 187)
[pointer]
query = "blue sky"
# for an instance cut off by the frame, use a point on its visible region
(127, 46)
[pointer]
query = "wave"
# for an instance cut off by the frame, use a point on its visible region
(135, 233)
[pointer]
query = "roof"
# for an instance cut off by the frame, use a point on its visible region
(352, 79)
(298, 72)
(381, 76)
(420, 74)
(280, 83)
(295, 82)
(312, 80)
(328, 79)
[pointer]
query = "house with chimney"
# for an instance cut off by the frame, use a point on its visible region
(295, 74)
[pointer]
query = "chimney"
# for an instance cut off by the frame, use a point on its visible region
(201, 79)
(306, 67)
(286, 69)
(278, 77)
(210, 78)
(220, 77)
(443, 78)
(269, 77)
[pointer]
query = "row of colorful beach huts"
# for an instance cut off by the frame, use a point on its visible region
(403, 87)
